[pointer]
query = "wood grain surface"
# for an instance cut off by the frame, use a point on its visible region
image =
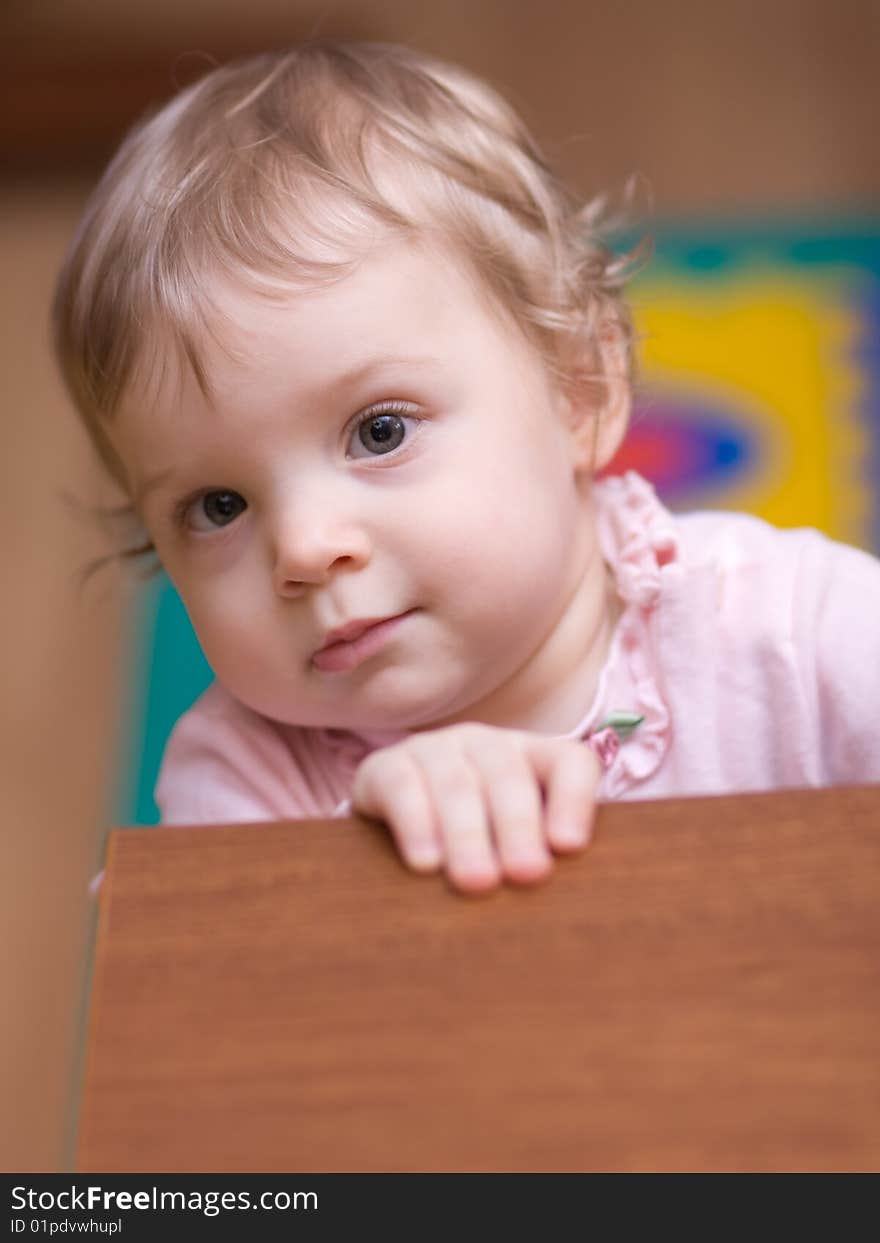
(699, 991)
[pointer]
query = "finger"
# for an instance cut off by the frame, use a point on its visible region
(389, 786)
(462, 821)
(513, 795)
(570, 787)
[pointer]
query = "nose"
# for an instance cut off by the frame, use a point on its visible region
(311, 543)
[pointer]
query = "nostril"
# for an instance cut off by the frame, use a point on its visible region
(291, 587)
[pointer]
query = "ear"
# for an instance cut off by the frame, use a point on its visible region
(600, 397)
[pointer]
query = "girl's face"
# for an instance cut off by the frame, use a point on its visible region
(387, 447)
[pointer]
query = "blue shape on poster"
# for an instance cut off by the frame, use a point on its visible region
(685, 447)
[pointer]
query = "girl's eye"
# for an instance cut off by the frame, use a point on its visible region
(215, 509)
(379, 432)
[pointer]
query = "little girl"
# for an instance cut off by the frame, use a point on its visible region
(355, 357)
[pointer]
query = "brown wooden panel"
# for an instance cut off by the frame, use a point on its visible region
(700, 990)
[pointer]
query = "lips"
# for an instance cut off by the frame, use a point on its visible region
(349, 645)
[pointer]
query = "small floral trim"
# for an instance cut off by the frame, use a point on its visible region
(606, 744)
(614, 730)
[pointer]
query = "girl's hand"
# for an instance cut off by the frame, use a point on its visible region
(487, 804)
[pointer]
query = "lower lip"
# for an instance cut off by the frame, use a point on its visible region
(341, 657)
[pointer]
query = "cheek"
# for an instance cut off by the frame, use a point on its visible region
(506, 531)
(230, 633)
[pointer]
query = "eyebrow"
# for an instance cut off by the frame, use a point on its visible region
(149, 485)
(360, 373)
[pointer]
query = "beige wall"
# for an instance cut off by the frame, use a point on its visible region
(726, 107)
(60, 654)
(723, 104)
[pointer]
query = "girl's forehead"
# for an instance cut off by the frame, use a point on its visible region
(394, 296)
(411, 268)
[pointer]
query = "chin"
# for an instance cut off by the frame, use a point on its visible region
(390, 701)
(391, 698)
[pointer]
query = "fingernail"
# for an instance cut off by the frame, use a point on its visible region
(423, 855)
(570, 835)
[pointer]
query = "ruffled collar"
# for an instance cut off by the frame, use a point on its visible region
(639, 542)
(637, 536)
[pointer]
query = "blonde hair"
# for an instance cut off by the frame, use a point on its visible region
(282, 170)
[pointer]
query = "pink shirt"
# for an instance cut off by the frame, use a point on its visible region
(752, 653)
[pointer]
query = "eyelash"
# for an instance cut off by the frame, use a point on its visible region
(403, 409)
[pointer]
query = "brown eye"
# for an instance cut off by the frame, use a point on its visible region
(382, 433)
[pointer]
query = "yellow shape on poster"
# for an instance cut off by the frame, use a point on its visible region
(776, 348)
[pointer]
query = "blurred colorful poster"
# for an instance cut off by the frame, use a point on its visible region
(760, 380)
